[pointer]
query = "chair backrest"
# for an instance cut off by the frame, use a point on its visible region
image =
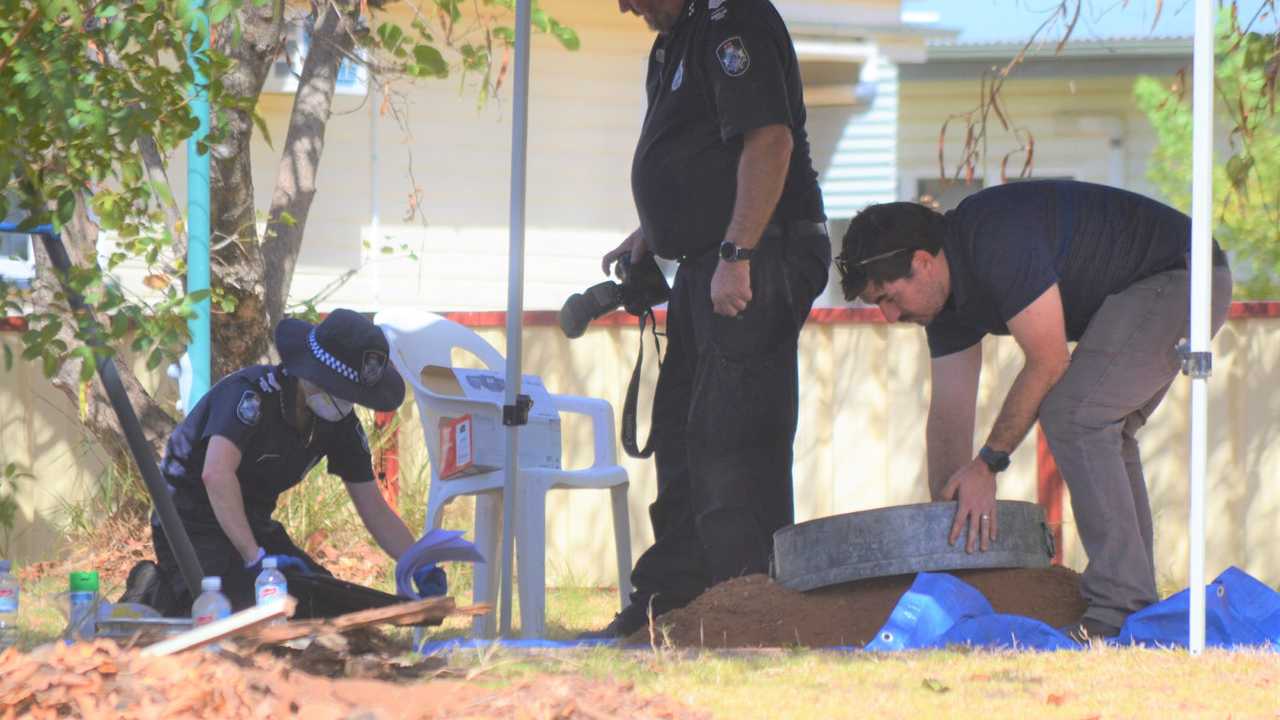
(418, 339)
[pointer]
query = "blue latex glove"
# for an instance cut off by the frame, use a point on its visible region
(283, 562)
(430, 581)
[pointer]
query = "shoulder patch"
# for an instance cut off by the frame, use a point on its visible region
(249, 409)
(718, 9)
(733, 57)
(269, 383)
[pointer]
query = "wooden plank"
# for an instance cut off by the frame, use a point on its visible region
(416, 612)
(234, 624)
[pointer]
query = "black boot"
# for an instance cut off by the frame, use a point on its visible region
(141, 586)
(1089, 629)
(632, 618)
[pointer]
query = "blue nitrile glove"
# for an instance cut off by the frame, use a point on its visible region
(283, 562)
(430, 581)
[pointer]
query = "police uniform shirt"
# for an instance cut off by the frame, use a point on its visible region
(1008, 244)
(727, 67)
(247, 408)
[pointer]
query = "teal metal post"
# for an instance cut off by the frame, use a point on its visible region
(198, 214)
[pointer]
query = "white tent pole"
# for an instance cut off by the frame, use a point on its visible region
(515, 301)
(1201, 260)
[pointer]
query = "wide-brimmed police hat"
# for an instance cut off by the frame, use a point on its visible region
(346, 355)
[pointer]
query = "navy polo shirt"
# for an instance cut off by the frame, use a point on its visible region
(247, 407)
(728, 66)
(1008, 244)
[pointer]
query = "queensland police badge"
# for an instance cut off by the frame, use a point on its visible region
(733, 56)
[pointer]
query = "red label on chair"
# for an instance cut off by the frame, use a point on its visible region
(456, 447)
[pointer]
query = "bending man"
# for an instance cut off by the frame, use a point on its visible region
(1048, 262)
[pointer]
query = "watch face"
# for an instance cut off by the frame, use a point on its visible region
(728, 250)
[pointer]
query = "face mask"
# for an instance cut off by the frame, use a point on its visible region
(326, 406)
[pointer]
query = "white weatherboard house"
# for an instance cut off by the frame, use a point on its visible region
(585, 113)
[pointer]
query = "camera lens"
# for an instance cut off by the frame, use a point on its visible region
(581, 308)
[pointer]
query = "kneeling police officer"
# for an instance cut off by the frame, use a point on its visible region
(256, 434)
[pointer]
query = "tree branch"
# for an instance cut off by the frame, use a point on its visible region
(295, 188)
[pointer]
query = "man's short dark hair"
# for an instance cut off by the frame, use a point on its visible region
(880, 242)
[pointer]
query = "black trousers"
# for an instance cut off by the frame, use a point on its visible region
(724, 420)
(217, 557)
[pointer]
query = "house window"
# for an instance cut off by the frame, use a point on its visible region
(17, 262)
(353, 77)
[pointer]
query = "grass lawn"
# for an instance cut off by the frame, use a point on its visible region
(794, 683)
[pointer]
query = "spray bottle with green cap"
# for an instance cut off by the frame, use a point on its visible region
(83, 600)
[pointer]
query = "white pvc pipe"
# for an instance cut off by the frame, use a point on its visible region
(515, 300)
(1200, 269)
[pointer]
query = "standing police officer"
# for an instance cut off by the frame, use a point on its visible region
(723, 182)
(257, 433)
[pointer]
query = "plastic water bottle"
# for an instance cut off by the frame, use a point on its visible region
(271, 583)
(84, 606)
(8, 606)
(211, 605)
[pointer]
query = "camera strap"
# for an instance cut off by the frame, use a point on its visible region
(633, 391)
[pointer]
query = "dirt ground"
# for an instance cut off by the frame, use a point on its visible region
(754, 611)
(100, 680)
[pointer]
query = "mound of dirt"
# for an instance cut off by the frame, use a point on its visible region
(753, 611)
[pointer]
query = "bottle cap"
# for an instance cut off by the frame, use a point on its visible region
(269, 562)
(213, 582)
(86, 581)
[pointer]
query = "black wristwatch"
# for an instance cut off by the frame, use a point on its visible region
(997, 461)
(732, 253)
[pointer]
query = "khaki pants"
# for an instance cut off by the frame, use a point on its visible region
(1119, 373)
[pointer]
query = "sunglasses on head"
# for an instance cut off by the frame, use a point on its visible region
(855, 272)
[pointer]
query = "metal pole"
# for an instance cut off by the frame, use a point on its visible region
(199, 350)
(143, 453)
(515, 302)
(375, 248)
(1201, 260)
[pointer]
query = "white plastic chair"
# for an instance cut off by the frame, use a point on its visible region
(419, 339)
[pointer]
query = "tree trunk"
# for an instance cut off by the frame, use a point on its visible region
(80, 238)
(331, 41)
(240, 337)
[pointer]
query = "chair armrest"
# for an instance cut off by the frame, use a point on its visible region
(602, 427)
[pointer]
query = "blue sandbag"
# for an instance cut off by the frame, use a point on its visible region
(941, 610)
(1240, 611)
(930, 607)
(1005, 632)
(447, 646)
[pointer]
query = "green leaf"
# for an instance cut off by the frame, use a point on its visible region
(261, 124)
(390, 34)
(219, 12)
(88, 363)
(567, 37)
(540, 20)
(66, 206)
(431, 60)
(8, 358)
(935, 685)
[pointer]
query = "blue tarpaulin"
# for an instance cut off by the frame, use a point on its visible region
(940, 610)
